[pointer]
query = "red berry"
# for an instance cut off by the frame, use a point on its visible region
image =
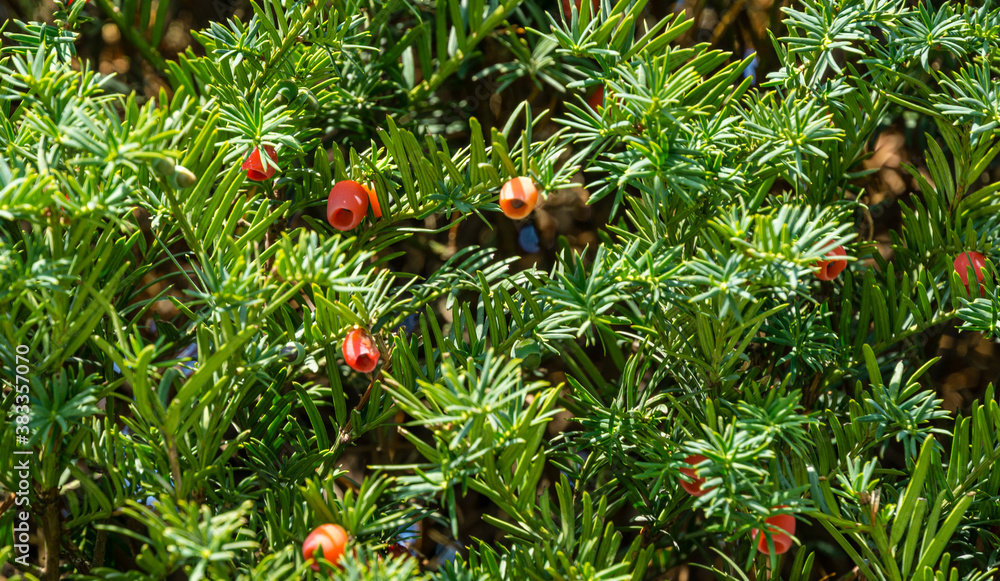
(255, 167)
(831, 269)
(373, 198)
(694, 488)
(360, 351)
(518, 198)
(398, 550)
(973, 259)
(347, 204)
(327, 541)
(596, 99)
(782, 526)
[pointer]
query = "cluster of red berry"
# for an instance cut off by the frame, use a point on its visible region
(781, 526)
(831, 269)
(346, 208)
(348, 204)
(348, 201)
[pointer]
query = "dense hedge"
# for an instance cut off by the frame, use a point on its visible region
(270, 323)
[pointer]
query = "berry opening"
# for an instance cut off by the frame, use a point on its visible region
(365, 362)
(517, 204)
(343, 218)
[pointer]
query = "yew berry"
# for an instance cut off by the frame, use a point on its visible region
(373, 198)
(831, 269)
(518, 198)
(974, 259)
(182, 178)
(694, 488)
(596, 99)
(360, 351)
(347, 204)
(398, 550)
(164, 166)
(782, 527)
(307, 99)
(287, 92)
(327, 541)
(254, 166)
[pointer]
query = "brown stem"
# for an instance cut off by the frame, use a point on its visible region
(811, 393)
(52, 531)
(345, 432)
(175, 465)
(79, 561)
(7, 503)
(100, 547)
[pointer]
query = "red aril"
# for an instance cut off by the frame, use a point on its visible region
(596, 99)
(373, 199)
(328, 541)
(518, 198)
(970, 259)
(781, 527)
(360, 351)
(254, 166)
(347, 205)
(694, 488)
(831, 269)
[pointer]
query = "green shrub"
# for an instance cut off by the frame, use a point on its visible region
(210, 443)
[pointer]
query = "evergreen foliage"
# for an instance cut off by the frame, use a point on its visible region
(211, 445)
